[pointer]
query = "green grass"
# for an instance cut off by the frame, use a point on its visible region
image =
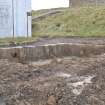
(83, 21)
(42, 11)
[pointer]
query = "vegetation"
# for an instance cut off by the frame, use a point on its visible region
(42, 11)
(83, 21)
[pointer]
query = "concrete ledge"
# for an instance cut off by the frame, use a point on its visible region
(48, 51)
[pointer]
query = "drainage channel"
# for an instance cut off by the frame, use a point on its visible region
(48, 51)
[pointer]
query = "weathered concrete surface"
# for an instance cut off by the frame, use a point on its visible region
(34, 53)
(14, 18)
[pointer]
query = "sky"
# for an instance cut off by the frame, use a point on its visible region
(45, 4)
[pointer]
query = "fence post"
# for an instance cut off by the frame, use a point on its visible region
(28, 14)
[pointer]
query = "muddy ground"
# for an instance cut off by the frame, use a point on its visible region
(66, 81)
(73, 40)
(55, 40)
(59, 81)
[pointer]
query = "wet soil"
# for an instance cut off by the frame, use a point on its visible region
(73, 40)
(65, 81)
(56, 40)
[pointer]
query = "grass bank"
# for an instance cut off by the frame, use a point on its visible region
(83, 21)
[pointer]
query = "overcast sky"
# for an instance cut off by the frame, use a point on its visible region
(44, 4)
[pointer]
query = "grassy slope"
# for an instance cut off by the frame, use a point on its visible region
(40, 12)
(84, 21)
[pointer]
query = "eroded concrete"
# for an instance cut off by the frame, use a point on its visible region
(49, 51)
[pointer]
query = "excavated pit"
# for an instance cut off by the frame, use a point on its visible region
(75, 75)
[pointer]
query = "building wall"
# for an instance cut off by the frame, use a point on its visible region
(13, 18)
(6, 18)
(86, 2)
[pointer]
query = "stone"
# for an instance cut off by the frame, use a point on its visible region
(51, 100)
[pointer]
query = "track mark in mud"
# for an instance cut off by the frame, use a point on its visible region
(65, 75)
(79, 84)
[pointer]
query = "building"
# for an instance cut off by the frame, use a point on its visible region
(74, 3)
(15, 18)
